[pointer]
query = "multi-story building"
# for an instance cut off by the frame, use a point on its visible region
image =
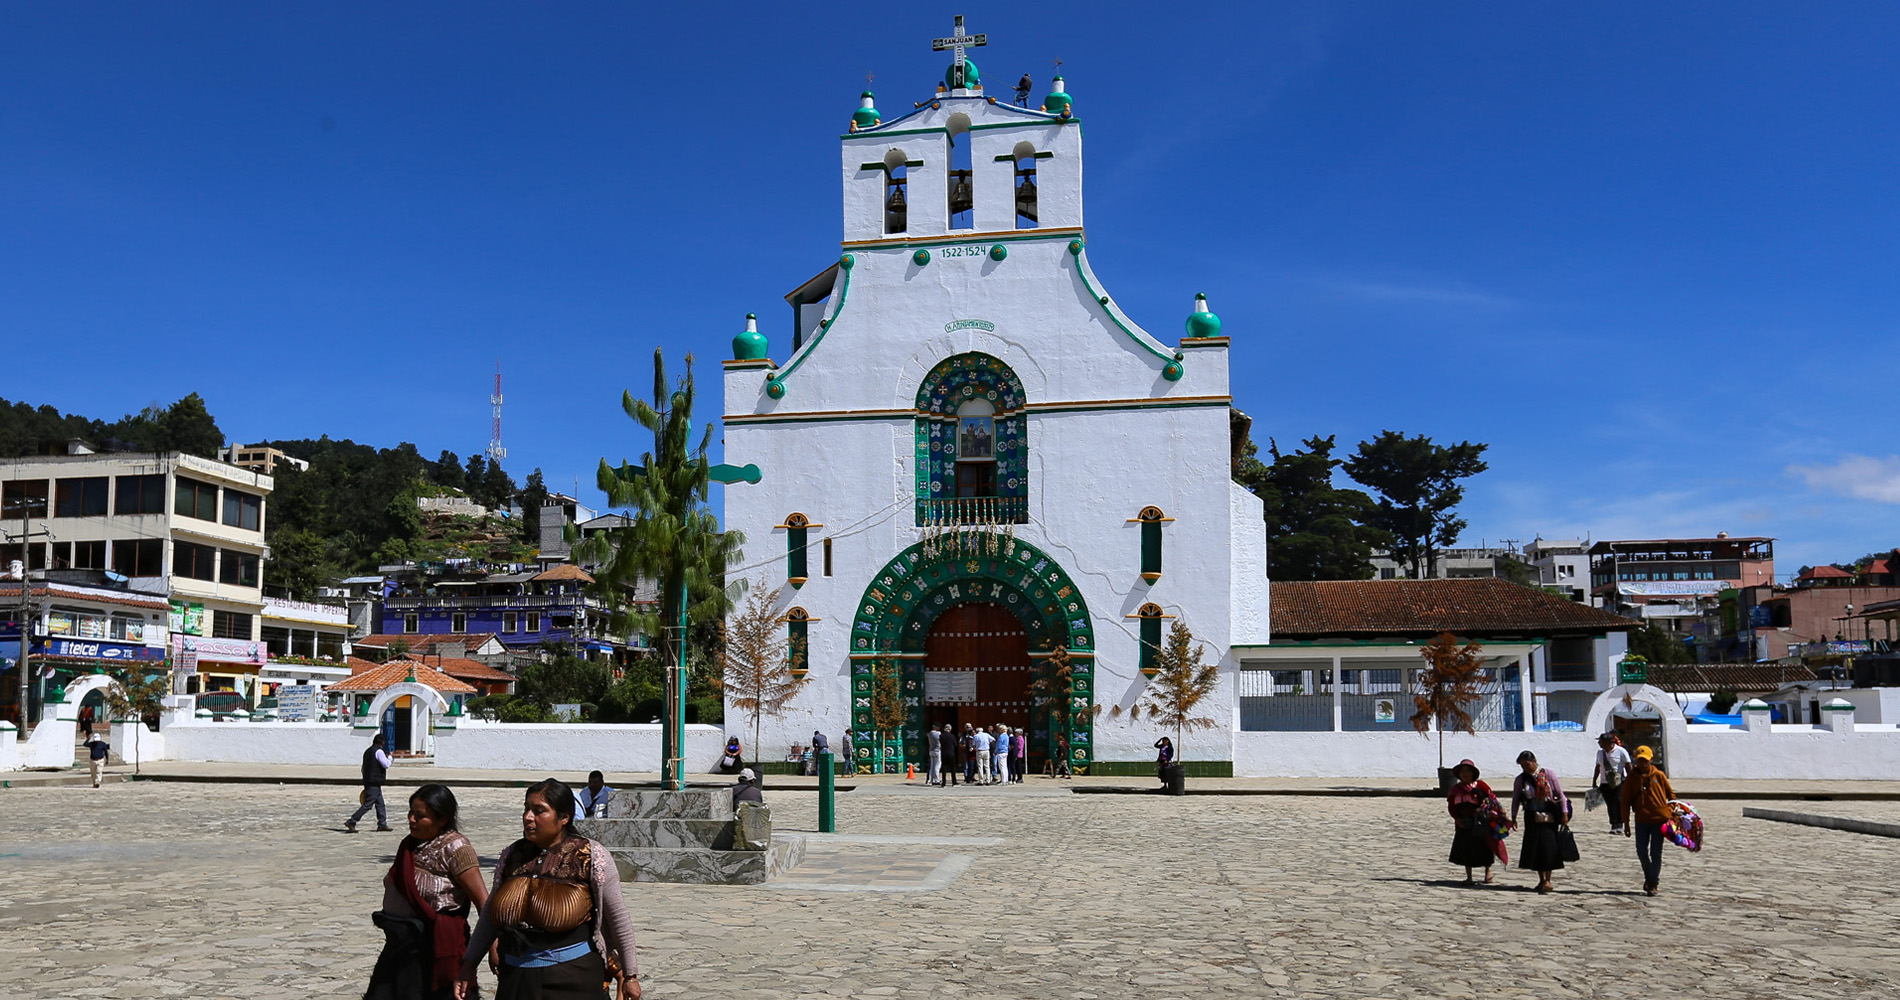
(1563, 565)
(259, 458)
(174, 524)
(1452, 564)
(1633, 574)
(77, 622)
(306, 644)
(526, 608)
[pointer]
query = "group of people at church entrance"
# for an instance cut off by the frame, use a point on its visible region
(997, 755)
(1641, 802)
(551, 923)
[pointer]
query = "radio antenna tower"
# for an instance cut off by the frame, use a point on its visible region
(495, 451)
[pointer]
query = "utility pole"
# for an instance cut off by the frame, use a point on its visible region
(24, 663)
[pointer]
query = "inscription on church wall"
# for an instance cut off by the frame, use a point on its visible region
(963, 251)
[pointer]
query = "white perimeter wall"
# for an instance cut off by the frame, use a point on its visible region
(484, 745)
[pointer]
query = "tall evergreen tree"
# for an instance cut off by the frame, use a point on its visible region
(448, 471)
(1315, 530)
(673, 540)
(532, 496)
(1418, 486)
(473, 474)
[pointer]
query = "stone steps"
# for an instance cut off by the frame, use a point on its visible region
(691, 836)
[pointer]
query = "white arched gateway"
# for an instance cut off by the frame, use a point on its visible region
(1643, 714)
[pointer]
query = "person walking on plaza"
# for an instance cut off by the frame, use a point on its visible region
(556, 910)
(999, 755)
(980, 742)
(428, 894)
(1018, 755)
(375, 769)
(850, 752)
(1062, 757)
(1473, 807)
(86, 717)
(966, 749)
(96, 751)
(1613, 765)
(1645, 801)
(952, 761)
(933, 741)
(592, 801)
(1538, 793)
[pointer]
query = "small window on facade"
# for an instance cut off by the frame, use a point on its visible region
(138, 557)
(139, 495)
(976, 449)
(798, 640)
(509, 620)
(242, 510)
(194, 561)
(534, 622)
(195, 499)
(458, 622)
(237, 568)
(81, 497)
(409, 625)
(23, 498)
(1151, 519)
(230, 625)
(1151, 616)
(827, 557)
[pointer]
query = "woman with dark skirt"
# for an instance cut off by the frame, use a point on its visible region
(427, 896)
(1546, 809)
(1474, 814)
(555, 910)
(1163, 757)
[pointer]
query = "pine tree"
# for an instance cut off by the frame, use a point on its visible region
(888, 711)
(1447, 687)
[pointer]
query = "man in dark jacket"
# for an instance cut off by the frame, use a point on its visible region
(375, 769)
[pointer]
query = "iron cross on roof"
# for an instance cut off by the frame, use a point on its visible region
(957, 42)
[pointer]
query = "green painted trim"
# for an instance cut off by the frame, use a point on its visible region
(1043, 155)
(1296, 644)
(1146, 768)
(1053, 119)
(748, 419)
(1087, 275)
(931, 241)
(845, 264)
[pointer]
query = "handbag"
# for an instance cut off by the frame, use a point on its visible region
(1566, 844)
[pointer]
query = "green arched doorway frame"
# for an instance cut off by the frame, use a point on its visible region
(916, 587)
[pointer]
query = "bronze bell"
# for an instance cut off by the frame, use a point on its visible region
(1026, 198)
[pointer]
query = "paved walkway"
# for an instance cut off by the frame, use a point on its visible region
(147, 889)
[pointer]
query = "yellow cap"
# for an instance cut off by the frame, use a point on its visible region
(1645, 753)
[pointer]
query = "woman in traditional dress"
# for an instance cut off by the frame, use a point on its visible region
(1163, 757)
(1539, 794)
(556, 911)
(1473, 809)
(426, 899)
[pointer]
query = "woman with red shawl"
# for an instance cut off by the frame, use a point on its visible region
(1476, 819)
(426, 899)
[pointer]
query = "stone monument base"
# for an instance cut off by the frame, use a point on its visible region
(691, 836)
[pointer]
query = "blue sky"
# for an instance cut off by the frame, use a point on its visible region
(1647, 252)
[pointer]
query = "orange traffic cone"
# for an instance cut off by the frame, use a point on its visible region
(910, 772)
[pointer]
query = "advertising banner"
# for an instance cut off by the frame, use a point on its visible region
(97, 650)
(296, 702)
(209, 650)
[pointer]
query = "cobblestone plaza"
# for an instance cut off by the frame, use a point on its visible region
(252, 890)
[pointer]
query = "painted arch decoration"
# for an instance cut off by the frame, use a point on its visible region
(955, 381)
(915, 588)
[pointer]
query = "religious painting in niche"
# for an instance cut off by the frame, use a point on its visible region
(975, 441)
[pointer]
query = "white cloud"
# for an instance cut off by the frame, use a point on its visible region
(1860, 476)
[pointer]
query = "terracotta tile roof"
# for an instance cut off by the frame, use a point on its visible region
(378, 677)
(565, 571)
(88, 594)
(1367, 608)
(470, 670)
(1825, 573)
(1743, 678)
(1878, 566)
(425, 642)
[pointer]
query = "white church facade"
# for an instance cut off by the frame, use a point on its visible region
(972, 456)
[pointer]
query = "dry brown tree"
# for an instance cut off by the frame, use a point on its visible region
(888, 711)
(1181, 682)
(756, 660)
(1447, 687)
